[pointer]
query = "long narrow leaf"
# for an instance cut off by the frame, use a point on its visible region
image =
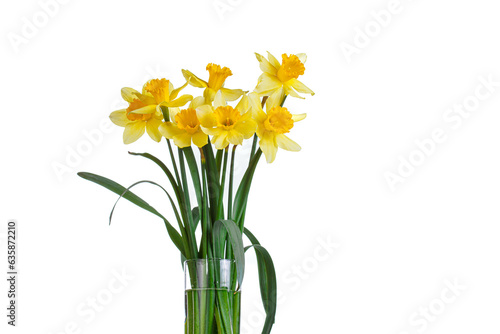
(130, 196)
(236, 241)
(267, 280)
(241, 197)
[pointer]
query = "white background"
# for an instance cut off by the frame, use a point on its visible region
(396, 249)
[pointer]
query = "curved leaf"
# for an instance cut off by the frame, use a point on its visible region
(236, 240)
(267, 280)
(123, 192)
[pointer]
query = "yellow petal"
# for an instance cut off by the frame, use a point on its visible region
(235, 138)
(276, 99)
(151, 109)
(180, 101)
(197, 101)
(267, 84)
(175, 92)
(273, 60)
(183, 140)
(200, 139)
(133, 131)
(265, 65)
(119, 117)
(289, 91)
(254, 101)
(302, 57)
(247, 127)
(211, 131)
(286, 143)
(220, 140)
(209, 94)
(268, 147)
(231, 94)
(205, 114)
(243, 105)
(129, 94)
(194, 80)
(169, 130)
(219, 100)
(300, 87)
(152, 129)
(298, 117)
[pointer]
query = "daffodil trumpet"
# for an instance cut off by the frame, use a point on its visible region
(207, 203)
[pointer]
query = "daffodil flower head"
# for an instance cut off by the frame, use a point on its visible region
(272, 125)
(216, 79)
(226, 124)
(276, 76)
(144, 112)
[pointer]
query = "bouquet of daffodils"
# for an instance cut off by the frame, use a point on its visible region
(207, 131)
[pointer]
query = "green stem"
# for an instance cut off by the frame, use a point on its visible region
(230, 190)
(220, 204)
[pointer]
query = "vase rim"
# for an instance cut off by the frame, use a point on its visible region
(209, 259)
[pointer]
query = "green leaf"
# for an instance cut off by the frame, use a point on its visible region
(122, 192)
(236, 241)
(193, 168)
(165, 169)
(213, 182)
(241, 197)
(196, 216)
(267, 280)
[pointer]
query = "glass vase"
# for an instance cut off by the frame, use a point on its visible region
(212, 297)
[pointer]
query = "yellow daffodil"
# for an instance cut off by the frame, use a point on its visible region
(184, 126)
(217, 77)
(273, 124)
(144, 112)
(226, 124)
(282, 76)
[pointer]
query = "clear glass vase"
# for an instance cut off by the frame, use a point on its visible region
(212, 297)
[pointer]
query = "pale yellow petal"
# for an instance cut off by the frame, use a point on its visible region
(181, 101)
(172, 112)
(119, 117)
(219, 100)
(268, 147)
(289, 91)
(152, 129)
(209, 94)
(298, 117)
(265, 65)
(169, 130)
(302, 57)
(197, 101)
(200, 139)
(133, 131)
(286, 143)
(243, 105)
(183, 140)
(194, 80)
(129, 94)
(175, 92)
(273, 60)
(205, 114)
(151, 109)
(211, 131)
(220, 140)
(254, 101)
(276, 99)
(247, 127)
(170, 87)
(231, 94)
(267, 84)
(235, 137)
(300, 87)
